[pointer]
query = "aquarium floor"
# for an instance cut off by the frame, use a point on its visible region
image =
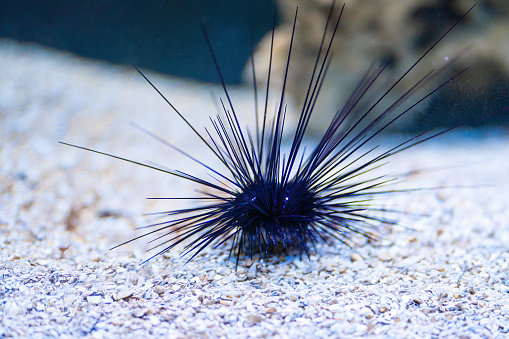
(445, 273)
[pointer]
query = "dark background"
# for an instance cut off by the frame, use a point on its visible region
(161, 35)
(165, 36)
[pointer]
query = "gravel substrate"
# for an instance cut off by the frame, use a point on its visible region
(446, 274)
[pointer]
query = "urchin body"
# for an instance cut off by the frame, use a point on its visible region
(270, 215)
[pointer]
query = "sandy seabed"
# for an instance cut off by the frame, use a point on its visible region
(61, 209)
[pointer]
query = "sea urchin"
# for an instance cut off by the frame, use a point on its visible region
(266, 198)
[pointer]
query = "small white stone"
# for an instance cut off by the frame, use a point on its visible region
(139, 313)
(40, 307)
(12, 309)
(94, 299)
(365, 312)
(123, 294)
(223, 271)
(253, 319)
(154, 320)
(335, 308)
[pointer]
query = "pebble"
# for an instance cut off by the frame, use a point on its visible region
(94, 299)
(223, 271)
(12, 309)
(225, 302)
(139, 313)
(253, 319)
(123, 294)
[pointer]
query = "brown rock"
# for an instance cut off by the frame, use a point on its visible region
(397, 32)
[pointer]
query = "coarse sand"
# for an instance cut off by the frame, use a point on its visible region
(445, 274)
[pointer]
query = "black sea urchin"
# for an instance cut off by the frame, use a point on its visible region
(266, 198)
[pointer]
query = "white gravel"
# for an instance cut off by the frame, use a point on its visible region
(61, 209)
